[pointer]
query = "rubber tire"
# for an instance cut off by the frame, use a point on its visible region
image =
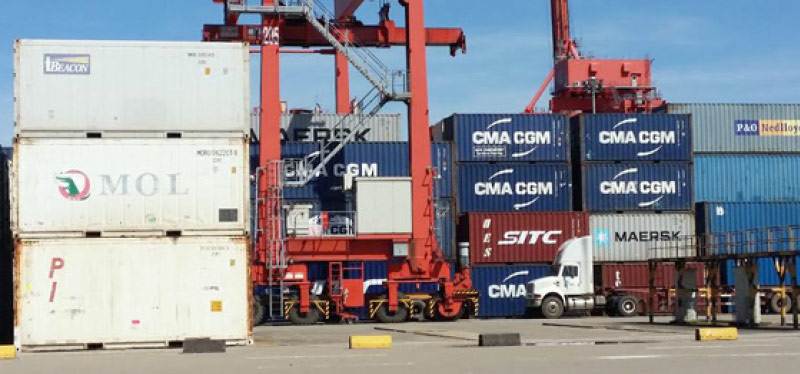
(383, 315)
(627, 306)
(775, 303)
(307, 319)
(259, 312)
(552, 307)
(611, 306)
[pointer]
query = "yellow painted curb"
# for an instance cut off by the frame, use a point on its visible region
(370, 342)
(726, 333)
(8, 352)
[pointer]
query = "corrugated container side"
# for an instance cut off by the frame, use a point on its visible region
(502, 288)
(631, 236)
(743, 128)
(767, 276)
(508, 137)
(123, 186)
(442, 160)
(636, 187)
(109, 86)
(636, 275)
(446, 227)
(111, 291)
(632, 137)
(317, 128)
(731, 226)
(514, 187)
(520, 237)
(746, 178)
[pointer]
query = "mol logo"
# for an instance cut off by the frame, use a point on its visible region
(492, 187)
(618, 187)
(495, 137)
(508, 291)
(74, 185)
(69, 64)
(656, 138)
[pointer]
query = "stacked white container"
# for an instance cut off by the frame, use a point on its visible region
(130, 193)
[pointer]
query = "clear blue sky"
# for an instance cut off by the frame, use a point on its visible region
(709, 50)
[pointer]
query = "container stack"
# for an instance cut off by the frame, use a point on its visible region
(513, 198)
(129, 193)
(6, 256)
(746, 161)
(634, 178)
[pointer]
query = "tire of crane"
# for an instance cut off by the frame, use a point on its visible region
(303, 319)
(258, 310)
(776, 303)
(383, 315)
(418, 308)
(627, 306)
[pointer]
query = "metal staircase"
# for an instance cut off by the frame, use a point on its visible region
(271, 238)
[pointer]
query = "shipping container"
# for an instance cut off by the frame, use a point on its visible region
(632, 137)
(767, 275)
(631, 237)
(624, 276)
(317, 128)
(609, 187)
(6, 259)
(514, 188)
(743, 128)
(746, 178)
(132, 292)
(506, 137)
(738, 228)
(442, 161)
(76, 187)
(520, 237)
(81, 86)
(446, 227)
(502, 288)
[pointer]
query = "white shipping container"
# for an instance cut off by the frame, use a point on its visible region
(631, 237)
(124, 187)
(132, 292)
(112, 86)
(326, 127)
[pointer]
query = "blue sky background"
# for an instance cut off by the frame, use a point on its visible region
(704, 51)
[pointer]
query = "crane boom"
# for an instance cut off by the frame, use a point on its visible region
(564, 46)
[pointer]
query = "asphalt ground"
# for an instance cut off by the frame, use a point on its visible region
(596, 344)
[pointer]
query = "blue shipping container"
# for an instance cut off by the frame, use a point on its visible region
(502, 288)
(746, 178)
(634, 137)
(514, 188)
(731, 226)
(442, 160)
(608, 187)
(446, 228)
(767, 276)
(507, 137)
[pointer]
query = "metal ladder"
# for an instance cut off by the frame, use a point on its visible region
(271, 238)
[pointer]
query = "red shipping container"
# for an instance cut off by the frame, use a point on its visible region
(636, 275)
(498, 238)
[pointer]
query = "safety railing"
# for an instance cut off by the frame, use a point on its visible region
(750, 242)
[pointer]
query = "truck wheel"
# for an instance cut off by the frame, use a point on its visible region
(776, 303)
(258, 310)
(611, 306)
(552, 307)
(304, 319)
(383, 315)
(627, 306)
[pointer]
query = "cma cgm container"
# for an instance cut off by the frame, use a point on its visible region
(324, 127)
(743, 128)
(132, 292)
(506, 137)
(520, 237)
(514, 188)
(502, 288)
(632, 137)
(630, 237)
(69, 86)
(442, 161)
(636, 187)
(746, 177)
(74, 187)
(764, 221)
(446, 227)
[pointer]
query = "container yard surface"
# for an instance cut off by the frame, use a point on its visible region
(589, 345)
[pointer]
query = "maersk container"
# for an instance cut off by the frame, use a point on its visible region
(442, 161)
(80, 86)
(507, 137)
(520, 237)
(743, 128)
(326, 127)
(514, 188)
(740, 228)
(446, 227)
(630, 237)
(132, 291)
(122, 187)
(632, 137)
(502, 288)
(636, 187)
(767, 275)
(746, 178)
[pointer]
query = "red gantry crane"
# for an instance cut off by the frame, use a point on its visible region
(587, 85)
(280, 264)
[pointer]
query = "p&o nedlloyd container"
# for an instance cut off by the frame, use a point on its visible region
(69, 88)
(144, 292)
(120, 187)
(637, 137)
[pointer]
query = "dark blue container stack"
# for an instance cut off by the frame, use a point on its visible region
(508, 163)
